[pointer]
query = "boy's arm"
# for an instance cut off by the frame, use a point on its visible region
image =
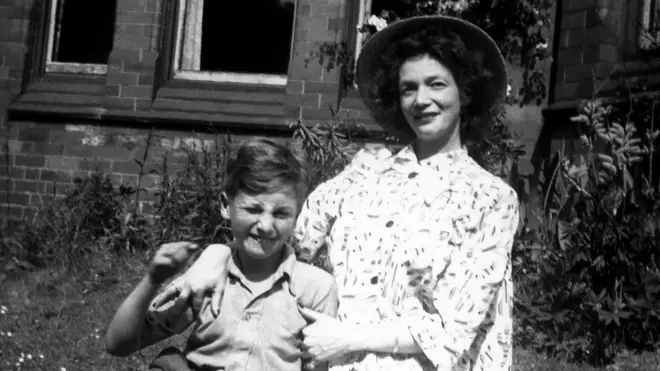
(123, 335)
(127, 329)
(142, 320)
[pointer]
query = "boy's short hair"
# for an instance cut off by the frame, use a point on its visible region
(261, 165)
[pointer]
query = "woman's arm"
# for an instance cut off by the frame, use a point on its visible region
(394, 338)
(207, 275)
(462, 298)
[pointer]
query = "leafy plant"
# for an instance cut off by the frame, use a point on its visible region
(588, 278)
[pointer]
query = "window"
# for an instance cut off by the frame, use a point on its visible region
(80, 35)
(379, 9)
(246, 41)
(363, 14)
(650, 30)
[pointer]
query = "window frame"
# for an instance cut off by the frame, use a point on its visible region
(649, 38)
(219, 76)
(65, 67)
(364, 11)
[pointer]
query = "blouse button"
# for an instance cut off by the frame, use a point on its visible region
(412, 175)
(389, 224)
(374, 280)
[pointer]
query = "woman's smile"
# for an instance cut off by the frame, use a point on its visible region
(425, 118)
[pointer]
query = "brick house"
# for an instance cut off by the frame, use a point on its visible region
(83, 83)
(598, 45)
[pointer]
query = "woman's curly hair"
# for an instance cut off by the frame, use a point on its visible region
(467, 67)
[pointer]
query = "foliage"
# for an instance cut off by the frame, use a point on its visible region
(60, 231)
(96, 214)
(588, 277)
(519, 27)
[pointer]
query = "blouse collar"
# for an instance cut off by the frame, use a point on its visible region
(439, 162)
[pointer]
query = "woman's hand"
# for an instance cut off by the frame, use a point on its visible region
(325, 338)
(208, 274)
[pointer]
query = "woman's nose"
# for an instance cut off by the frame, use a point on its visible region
(423, 96)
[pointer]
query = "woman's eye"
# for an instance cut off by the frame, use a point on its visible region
(438, 84)
(253, 210)
(407, 91)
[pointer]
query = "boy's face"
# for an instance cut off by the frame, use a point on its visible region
(261, 223)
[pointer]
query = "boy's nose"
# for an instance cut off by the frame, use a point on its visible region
(266, 227)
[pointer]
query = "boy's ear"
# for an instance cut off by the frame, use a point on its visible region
(224, 208)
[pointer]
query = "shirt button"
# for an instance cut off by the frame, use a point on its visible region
(412, 175)
(389, 224)
(374, 280)
(247, 317)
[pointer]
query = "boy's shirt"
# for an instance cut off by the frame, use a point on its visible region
(251, 332)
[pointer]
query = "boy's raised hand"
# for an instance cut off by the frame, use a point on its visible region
(206, 276)
(169, 260)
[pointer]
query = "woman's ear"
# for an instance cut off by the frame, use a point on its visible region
(224, 206)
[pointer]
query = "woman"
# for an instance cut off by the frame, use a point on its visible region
(419, 240)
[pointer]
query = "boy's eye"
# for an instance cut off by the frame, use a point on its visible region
(282, 214)
(253, 210)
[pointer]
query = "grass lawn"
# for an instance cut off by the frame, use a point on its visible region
(55, 320)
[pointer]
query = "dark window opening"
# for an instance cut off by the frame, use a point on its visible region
(84, 31)
(247, 36)
(654, 16)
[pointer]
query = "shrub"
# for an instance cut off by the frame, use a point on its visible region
(588, 279)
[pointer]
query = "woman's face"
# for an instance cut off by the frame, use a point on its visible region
(430, 100)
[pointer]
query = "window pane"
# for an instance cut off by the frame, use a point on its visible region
(247, 36)
(654, 19)
(84, 31)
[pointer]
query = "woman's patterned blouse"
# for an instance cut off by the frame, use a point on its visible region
(427, 243)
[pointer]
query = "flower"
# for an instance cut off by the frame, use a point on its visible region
(455, 5)
(508, 90)
(542, 46)
(377, 22)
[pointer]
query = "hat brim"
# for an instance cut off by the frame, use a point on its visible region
(473, 37)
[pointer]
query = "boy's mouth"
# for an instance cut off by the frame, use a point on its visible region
(262, 239)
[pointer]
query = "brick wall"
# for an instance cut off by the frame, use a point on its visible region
(597, 48)
(589, 46)
(59, 126)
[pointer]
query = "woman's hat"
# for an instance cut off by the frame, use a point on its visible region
(474, 38)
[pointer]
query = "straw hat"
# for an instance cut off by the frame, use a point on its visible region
(473, 37)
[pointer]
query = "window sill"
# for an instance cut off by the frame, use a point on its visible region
(178, 103)
(231, 78)
(238, 101)
(65, 89)
(76, 68)
(181, 120)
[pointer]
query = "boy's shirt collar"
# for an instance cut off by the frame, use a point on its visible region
(284, 270)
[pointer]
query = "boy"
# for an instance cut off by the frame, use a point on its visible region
(259, 324)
